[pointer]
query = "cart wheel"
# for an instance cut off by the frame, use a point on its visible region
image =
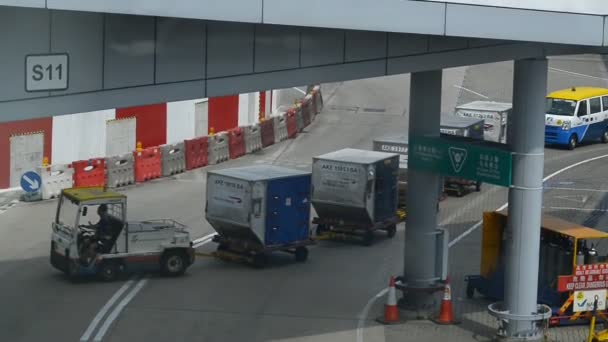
(368, 238)
(478, 186)
(301, 254)
(391, 231)
(259, 260)
(222, 247)
(470, 290)
(460, 190)
(108, 271)
(173, 263)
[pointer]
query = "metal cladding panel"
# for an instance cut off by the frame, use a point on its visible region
(276, 48)
(201, 118)
(403, 44)
(128, 51)
(373, 15)
(151, 123)
(181, 121)
(80, 35)
(321, 46)
(26, 155)
(518, 24)
(223, 112)
(121, 137)
(362, 45)
(229, 49)
(8, 129)
(24, 3)
(80, 136)
(23, 31)
(180, 50)
(227, 10)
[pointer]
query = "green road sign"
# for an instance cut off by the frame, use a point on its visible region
(461, 157)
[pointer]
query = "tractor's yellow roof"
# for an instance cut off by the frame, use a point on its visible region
(91, 194)
(578, 93)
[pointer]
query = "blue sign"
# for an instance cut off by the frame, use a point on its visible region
(30, 181)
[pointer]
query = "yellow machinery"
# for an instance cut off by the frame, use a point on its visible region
(572, 257)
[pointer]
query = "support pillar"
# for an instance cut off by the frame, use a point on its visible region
(420, 273)
(525, 200)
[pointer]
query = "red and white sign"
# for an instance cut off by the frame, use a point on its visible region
(586, 277)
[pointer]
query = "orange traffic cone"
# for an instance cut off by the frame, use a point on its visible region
(446, 314)
(391, 312)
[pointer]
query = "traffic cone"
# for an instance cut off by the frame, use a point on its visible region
(446, 313)
(391, 312)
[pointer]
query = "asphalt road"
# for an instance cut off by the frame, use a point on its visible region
(320, 300)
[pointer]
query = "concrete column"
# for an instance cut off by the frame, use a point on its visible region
(422, 197)
(525, 197)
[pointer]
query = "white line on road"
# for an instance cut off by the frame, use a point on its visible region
(300, 90)
(476, 225)
(575, 189)
(91, 328)
(577, 74)
(579, 209)
(118, 309)
(365, 312)
(87, 334)
(471, 91)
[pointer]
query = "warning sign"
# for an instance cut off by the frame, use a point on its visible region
(585, 300)
(586, 277)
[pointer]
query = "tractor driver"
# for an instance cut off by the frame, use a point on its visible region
(105, 228)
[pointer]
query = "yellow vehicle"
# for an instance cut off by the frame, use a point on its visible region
(569, 253)
(576, 115)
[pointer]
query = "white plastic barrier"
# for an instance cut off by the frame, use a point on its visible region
(54, 179)
(253, 138)
(173, 158)
(218, 148)
(280, 127)
(120, 170)
(318, 98)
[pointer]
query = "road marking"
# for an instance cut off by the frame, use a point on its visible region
(577, 74)
(300, 90)
(118, 309)
(574, 198)
(471, 91)
(104, 310)
(365, 312)
(579, 209)
(575, 189)
(476, 225)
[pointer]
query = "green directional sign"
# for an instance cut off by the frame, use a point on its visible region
(462, 157)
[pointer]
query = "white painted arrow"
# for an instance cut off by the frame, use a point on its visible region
(33, 183)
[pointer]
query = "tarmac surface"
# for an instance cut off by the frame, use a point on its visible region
(331, 297)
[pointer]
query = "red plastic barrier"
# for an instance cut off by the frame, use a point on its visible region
(197, 152)
(236, 143)
(267, 130)
(292, 128)
(148, 164)
(306, 112)
(90, 172)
